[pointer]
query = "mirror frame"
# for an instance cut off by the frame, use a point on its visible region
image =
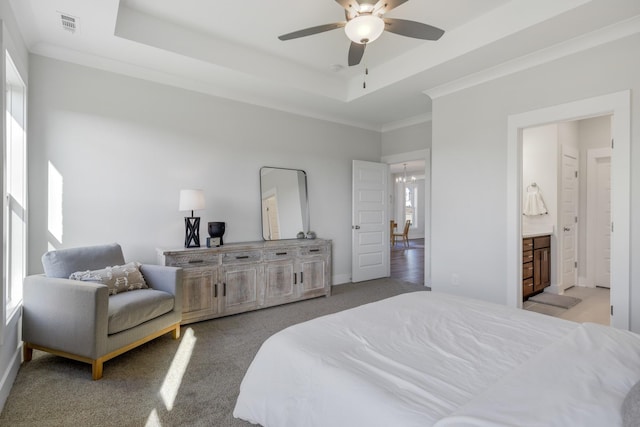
(304, 204)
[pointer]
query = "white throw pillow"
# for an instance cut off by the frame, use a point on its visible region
(119, 278)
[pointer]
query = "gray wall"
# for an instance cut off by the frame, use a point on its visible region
(125, 147)
(469, 164)
(407, 139)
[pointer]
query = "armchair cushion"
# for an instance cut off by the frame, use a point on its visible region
(63, 262)
(130, 309)
(118, 278)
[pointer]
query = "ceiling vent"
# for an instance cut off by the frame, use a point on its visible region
(69, 22)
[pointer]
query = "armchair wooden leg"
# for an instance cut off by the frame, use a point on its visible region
(27, 352)
(176, 332)
(96, 369)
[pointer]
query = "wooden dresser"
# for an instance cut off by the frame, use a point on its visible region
(536, 264)
(239, 277)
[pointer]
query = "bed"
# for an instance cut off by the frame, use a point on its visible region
(427, 358)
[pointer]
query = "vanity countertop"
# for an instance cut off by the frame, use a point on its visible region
(535, 234)
(537, 231)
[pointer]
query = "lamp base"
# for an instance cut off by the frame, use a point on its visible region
(192, 232)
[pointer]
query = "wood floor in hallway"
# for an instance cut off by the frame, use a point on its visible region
(407, 263)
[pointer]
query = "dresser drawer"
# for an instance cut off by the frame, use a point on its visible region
(527, 256)
(191, 260)
(279, 254)
(527, 245)
(241, 256)
(313, 250)
(527, 270)
(542, 242)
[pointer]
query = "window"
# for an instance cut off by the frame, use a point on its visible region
(411, 204)
(15, 178)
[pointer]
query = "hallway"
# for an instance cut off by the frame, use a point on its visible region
(407, 263)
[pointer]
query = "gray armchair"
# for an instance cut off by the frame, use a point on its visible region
(81, 321)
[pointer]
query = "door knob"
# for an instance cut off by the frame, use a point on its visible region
(567, 229)
(356, 227)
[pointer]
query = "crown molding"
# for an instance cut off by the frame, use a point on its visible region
(578, 44)
(410, 121)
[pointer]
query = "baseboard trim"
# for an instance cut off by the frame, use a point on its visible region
(341, 279)
(9, 376)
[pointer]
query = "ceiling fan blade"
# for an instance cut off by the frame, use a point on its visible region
(385, 6)
(349, 5)
(312, 31)
(414, 29)
(356, 50)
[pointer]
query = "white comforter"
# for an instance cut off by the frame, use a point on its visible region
(424, 357)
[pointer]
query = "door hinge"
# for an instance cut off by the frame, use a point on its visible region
(575, 264)
(575, 173)
(612, 310)
(612, 227)
(612, 143)
(575, 219)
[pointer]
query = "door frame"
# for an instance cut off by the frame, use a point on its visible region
(426, 156)
(619, 105)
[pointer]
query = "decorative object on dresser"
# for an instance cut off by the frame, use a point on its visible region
(285, 204)
(239, 277)
(536, 264)
(191, 200)
(111, 308)
(216, 231)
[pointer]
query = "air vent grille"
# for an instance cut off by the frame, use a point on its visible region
(69, 22)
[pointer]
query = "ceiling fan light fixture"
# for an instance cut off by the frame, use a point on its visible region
(364, 28)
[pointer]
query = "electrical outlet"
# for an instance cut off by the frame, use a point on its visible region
(455, 279)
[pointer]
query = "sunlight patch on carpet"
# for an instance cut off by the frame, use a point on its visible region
(173, 379)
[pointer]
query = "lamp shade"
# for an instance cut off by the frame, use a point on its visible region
(191, 200)
(364, 28)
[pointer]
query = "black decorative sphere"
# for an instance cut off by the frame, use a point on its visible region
(216, 229)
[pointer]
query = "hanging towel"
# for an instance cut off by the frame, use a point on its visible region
(533, 203)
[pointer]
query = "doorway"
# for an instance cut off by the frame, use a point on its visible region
(576, 185)
(421, 254)
(618, 105)
(407, 220)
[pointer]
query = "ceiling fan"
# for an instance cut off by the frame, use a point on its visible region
(365, 23)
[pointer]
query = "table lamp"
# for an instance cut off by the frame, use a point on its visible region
(191, 200)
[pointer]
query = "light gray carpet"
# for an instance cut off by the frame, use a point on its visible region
(563, 301)
(53, 391)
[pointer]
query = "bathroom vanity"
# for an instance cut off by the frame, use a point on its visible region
(536, 264)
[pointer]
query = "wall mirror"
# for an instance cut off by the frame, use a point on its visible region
(285, 205)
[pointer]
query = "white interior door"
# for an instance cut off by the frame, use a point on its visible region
(370, 228)
(569, 216)
(602, 247)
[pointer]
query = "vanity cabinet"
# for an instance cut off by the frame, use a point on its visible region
(240, 277)
(536, 264)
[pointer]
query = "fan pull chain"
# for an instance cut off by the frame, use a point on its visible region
(366, 73)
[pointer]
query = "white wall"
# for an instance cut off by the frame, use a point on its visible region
(469, 197)
(125, 147)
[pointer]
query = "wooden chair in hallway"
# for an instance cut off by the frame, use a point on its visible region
(392, 229)
(404, 235)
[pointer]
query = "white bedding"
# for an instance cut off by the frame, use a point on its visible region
(424, 357)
